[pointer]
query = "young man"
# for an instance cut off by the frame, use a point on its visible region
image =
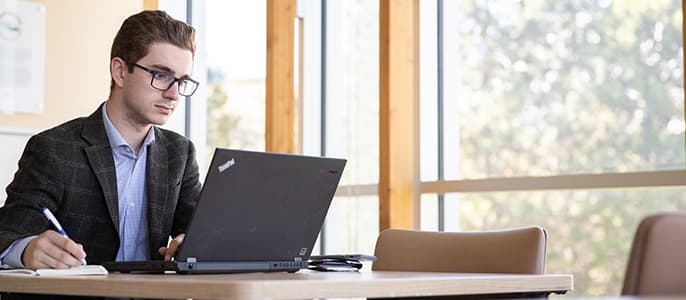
(119, 185)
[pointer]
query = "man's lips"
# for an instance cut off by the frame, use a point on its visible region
(165, 108)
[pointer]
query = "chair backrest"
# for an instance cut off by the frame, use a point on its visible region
(657, 263)
(518, 251)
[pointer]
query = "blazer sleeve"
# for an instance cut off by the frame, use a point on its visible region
(188, 195)
(36, 184)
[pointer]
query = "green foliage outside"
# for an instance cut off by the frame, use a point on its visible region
(566, 87)
(219, 122)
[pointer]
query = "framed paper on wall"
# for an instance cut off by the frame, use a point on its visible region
(22, 56)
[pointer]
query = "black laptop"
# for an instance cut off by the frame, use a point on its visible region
(257, 212)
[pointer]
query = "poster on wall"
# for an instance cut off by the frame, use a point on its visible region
(22, 56)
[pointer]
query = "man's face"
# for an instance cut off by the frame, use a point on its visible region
(143, 103)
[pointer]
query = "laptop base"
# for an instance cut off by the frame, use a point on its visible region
(204, 267)
(239, 267)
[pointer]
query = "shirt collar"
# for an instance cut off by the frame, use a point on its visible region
(115, 138)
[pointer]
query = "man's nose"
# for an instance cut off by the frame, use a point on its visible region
(173, 92)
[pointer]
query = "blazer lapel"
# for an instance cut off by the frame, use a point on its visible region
(100, 158)
(156, 189)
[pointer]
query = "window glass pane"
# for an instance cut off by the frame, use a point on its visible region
(236, 51)
(311, 130)
(589, 232)
(352, 225)
(352, 76)
(556, 87)
(428, 90)
(428, 212)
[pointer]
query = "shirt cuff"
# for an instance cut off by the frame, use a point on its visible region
(12, 256)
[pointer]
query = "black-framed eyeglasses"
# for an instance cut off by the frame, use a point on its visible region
(163, 81)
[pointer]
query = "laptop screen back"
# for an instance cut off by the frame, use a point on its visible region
(257, 206)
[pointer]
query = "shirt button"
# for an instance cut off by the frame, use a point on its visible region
(132, 204)
(129, 245)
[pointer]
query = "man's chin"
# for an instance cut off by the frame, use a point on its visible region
(159, 121)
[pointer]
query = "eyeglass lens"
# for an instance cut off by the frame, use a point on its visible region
(163, 81)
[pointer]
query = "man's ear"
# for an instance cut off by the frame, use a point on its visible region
(118, 71)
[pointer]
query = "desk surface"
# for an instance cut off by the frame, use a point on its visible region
(304, 284)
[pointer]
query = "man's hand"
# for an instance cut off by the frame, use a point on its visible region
(52, 250)
(170, 250)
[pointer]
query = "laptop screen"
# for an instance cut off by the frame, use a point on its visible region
(257, 206)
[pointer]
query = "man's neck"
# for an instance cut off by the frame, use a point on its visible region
(133, 133)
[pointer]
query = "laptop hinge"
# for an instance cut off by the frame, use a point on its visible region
(191, 260)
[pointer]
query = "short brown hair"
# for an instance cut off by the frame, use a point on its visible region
(143, 29)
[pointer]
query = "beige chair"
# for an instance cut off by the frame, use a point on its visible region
(657, 264)
(520, 251)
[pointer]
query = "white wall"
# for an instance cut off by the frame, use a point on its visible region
(12, 141)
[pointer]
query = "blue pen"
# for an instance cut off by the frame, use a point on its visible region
(56, 224)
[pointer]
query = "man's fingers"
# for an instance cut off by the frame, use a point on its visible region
(68, 245)
(50, 262)
(170, 252)
(59, 257)
(39, 255)
(52, 250)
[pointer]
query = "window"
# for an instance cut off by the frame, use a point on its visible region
(340, 98)
(592, 86)
(554, 91)
(235, 46)
(228, 108)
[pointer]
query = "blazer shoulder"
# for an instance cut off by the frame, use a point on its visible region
(69, 129)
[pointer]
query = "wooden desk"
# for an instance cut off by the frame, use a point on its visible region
(301, 285)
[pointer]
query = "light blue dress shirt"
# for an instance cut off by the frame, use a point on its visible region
(133, 205)
(133, 219)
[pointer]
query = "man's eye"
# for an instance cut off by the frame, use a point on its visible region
(163, 77)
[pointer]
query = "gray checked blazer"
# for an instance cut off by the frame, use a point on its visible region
(70, 170)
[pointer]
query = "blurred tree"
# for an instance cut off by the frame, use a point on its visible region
(220, 122)
(574, 86)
